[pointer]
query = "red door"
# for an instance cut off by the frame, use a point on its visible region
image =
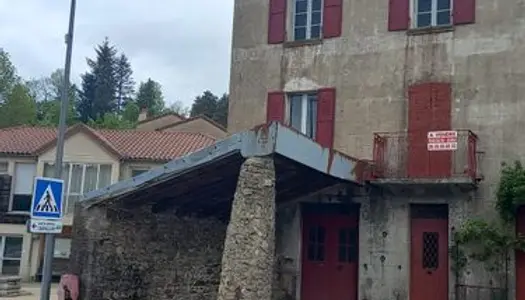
(329, 254)
(520, 257)
(429, 259)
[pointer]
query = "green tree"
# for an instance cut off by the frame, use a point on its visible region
(211, 106)
(19, 107)
(131, 112)
(150, 96)
(111, 121)
(85, 104)
(125, 82)
(179, 108)
(8, 77)
(221, 111)
(99, 88)
(47, 91)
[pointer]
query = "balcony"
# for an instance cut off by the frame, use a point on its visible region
(435, 158)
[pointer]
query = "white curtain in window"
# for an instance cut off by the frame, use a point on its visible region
(76, 179)
(104, 176)
(90, 181)
(24, 177)
(62, 248)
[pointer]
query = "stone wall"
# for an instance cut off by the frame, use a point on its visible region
(135, 254)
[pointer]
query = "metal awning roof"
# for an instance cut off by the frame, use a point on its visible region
(208, 177)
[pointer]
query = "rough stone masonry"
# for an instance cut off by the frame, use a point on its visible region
(128, 252)
(249, 249)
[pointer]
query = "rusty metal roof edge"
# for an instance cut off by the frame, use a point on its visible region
(260, 141)
(303, 150)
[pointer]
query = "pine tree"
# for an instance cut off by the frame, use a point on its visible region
(125, 82)
(8, 77)
(103, 71)
(206, 104)
(85, 102)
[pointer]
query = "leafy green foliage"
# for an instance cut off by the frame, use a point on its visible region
(150, 97)
(111, 121)
(511, 191)
(492, 242)
(19, 108)
(8, 77)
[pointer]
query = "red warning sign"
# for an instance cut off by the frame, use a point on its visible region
(442, 140)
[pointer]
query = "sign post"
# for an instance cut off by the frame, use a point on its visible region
(49, 249)
(442, 140)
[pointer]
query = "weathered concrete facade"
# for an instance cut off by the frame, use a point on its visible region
(371, 69)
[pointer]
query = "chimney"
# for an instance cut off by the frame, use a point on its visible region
(143, 115)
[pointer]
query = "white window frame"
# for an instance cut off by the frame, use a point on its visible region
(309, 11)
(2, 249)
(14, 178)
(84, 167)
(304, 111)
(137, 168)
(434, 12)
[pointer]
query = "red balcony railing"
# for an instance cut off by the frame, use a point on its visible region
(403, 155)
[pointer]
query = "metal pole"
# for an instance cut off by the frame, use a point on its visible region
(62, 127)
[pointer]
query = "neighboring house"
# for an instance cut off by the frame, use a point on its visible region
(93, 159)
(175, 122)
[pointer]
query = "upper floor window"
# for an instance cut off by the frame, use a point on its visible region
(23, 186)
(80, 178)
(308, 18)
(427, 14)
(303, 113)
(432, 13)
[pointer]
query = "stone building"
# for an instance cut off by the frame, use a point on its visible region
(370, 79)
(373, 78)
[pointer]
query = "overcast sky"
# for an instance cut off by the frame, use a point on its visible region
(184, 45)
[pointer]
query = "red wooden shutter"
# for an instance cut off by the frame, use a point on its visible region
(325, 117)
(464, 12)
(275, 107)
(277, 22)
(398, 15)
(332, 18)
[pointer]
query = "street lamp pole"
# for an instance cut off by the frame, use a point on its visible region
(62, 127)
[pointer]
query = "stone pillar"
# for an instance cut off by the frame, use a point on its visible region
(249, 248)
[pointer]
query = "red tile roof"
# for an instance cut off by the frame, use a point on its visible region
(126, 144)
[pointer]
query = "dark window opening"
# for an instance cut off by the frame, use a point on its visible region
(316, 243)
(430, 250)
(348, 243)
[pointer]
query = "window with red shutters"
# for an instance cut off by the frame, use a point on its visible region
(332, 18)
(277, 21)
(429, 13)
(398, 15)
(325, 117)
(275, 107)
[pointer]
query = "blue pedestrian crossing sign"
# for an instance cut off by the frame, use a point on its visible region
(47, 198)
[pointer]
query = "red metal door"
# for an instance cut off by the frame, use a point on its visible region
(329, 257)
(520, 257)
(429, 259)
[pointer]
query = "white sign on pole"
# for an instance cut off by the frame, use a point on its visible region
(45, 226)
(442, 140)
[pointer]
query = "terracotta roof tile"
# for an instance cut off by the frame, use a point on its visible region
(128, 144)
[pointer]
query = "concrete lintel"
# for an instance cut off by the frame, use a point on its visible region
(262, 140)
